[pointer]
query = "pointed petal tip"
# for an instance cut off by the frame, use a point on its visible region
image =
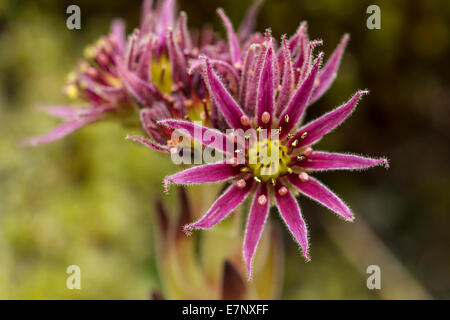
(345, 38)
(363, 92)
(30, 142)
(147, 143)
(307, 258)
(187, 229)
(166, 185)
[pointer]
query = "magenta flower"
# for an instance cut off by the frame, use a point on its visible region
(275, 87)
(95, 81)
(147, 73)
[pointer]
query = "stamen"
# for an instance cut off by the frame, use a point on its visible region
(286, 118)
(282, 191)
(317, 82)
(265, 117)
(308, 151)
(273, 181)
(244, 170)
(188, 103)
(241, 184)
(257, 179)
(294, 144)
(233, 162)
(304, 134)
(245, 121)
(303, 176)
(262, 200)
(289, 170)
(300, 158)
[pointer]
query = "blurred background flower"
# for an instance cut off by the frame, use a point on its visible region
(87, 200)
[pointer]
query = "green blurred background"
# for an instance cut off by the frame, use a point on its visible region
(88, 199)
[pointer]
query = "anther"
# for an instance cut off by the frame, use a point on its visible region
(304, 134)
(188, 103)
(300, 158)
(282, 191)
(286, 118)
(317, 82)
(294, 144)
(303, 176)
(241, 184)
(265, 117)
(308, 151)
(244, 170)
(257, 179)
(262, 200)
(245, 121)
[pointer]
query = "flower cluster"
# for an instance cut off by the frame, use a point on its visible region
(177, 80)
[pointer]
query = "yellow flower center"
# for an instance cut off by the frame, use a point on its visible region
(162, 74)
(268, 159)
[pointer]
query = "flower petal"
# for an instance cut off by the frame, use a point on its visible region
(255, 224)
(290, 212)
(266, 91)
(320, 193)
(177, 59)
(315, 130)
(220, 65)
(322, 161)
(144, 92)
(225, 102)
(118, 33)
(148, 143)
(329, 71)
(61, 112)
(249, 60)
(223, 206)
(287, 78)
(165, 20)
(248, 23)
(57, 133)
(252, 80)
(200, 133)
(216, 172)
(149, 118)
(233, 42)
(144, 70)
(298, 103)
(183, 32)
